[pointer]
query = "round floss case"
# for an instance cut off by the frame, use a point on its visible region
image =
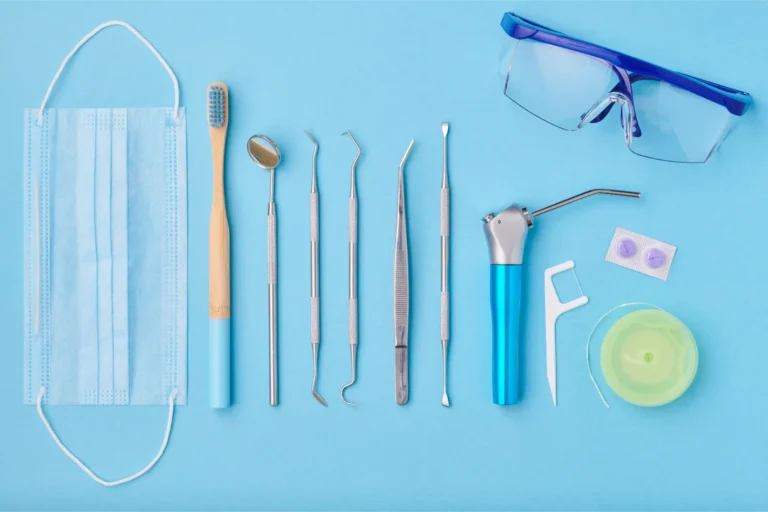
(649, 357)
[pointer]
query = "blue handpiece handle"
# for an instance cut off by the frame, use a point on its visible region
(219, 369)
(505, 309)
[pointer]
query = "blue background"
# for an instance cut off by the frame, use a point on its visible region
(391, 72)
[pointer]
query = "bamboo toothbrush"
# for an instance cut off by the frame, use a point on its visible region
(218, 253)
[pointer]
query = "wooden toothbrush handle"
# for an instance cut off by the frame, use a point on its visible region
(218, 256)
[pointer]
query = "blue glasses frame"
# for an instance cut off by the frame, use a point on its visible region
(629, 69)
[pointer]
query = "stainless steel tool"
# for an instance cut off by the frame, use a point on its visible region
(352, 271)
(445, 207)
(401, 291)
(266, 154)
(314, 288)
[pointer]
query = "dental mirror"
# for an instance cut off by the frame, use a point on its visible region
(266, 154)
(264, 151)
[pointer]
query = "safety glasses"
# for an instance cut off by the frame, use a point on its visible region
(568, 83)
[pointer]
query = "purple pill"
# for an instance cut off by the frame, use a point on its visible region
(626, 248)
(655, 258)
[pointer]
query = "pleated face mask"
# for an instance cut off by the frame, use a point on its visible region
(105, 253)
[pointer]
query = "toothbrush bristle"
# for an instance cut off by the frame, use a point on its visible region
(217, 106)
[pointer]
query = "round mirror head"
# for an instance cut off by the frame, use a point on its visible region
(264, 151)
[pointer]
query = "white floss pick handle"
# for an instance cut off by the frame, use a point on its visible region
(641, 254)
(553, 308)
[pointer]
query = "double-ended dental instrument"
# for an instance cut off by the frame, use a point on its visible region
(352, 271)
(219, 344)
(570, 83)
(401, 293)
(266, 154)
(314, 288)
(506, 234)
(445, 216)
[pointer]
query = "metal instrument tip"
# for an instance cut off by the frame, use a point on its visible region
(315, 394)
(405, 156)
(342, 393)
(353, 360)
(446, 403)
(313, 187)
(445, 129)
(311, 137)
(319, 398)
(355, 143)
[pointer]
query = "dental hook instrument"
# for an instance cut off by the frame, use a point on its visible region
(445, 205)
(352, 271)
(314, 292)
(401, 294)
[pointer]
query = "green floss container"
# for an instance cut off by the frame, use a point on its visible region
(649, 357)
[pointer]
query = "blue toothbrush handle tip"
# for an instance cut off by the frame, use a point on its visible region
(219, 363)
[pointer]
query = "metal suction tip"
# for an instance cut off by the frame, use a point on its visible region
(353, 354)
(314, 377)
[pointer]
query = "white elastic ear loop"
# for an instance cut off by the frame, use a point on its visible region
(589, 339)
(171, 401)
(85, 40)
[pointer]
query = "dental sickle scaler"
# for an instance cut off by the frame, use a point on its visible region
(506, 234)
(314, 287)
(352, 271)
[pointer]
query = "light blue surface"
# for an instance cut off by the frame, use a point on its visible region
(391, 72)
(220, 363)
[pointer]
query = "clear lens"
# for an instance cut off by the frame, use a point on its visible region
(553, 83)
(674, 124)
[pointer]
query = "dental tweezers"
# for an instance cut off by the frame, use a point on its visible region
(401, 291)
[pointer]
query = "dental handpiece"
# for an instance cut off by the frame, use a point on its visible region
(506, 233)
(445, 202)
(314, 292)
(401, 293)
(352, 271)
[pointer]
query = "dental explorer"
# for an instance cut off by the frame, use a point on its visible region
(352, 270)
(314, 289)
(266, 154)
(401, 291)
(445, 205)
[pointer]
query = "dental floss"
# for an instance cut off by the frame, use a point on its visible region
(594, 328)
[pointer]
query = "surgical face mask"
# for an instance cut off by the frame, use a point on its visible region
(105, 254)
